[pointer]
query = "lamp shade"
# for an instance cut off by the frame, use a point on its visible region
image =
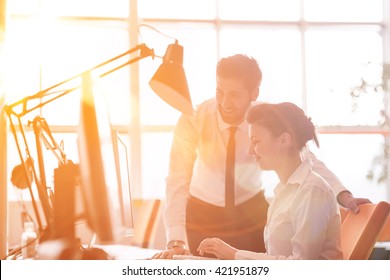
(170, 83)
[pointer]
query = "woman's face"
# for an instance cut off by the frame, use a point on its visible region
(265, 147)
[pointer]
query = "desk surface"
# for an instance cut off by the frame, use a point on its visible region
(126, 252)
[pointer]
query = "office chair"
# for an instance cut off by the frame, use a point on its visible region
(385, 234)
(359, 232)
(147, 216)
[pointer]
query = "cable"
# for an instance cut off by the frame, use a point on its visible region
(153, 28)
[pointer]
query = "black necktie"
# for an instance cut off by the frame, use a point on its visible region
(229, 176)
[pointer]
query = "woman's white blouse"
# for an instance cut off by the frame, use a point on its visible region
(303, 220)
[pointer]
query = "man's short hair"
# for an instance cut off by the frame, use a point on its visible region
(241, 67)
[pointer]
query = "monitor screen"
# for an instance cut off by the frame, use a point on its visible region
(100, 184)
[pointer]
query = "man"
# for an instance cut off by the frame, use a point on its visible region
(197, 204)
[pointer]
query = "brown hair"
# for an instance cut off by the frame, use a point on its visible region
(284, 117)
(241, 67)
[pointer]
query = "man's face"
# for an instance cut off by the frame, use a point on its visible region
(233, 99)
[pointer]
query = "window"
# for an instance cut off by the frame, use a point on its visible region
(344, 11)
(312, 53)
(259, 10)
(278, 52)
(176, 9)
(336, 61)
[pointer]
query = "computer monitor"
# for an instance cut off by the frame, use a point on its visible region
(100, 183)
(124, 190)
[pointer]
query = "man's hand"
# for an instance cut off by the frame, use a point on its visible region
(169, 253)
(347, 200)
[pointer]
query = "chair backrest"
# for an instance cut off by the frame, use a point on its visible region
(359, 232)
(147, 214)
(343, 214)
(385, 234)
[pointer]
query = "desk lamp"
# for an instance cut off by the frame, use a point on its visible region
(169, 82)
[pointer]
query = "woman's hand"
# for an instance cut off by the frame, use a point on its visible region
(218, 248)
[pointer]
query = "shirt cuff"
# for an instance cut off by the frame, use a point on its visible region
(177, 233)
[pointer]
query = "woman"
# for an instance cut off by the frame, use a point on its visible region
(303, 218)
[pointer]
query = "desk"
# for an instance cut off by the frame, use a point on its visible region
(116, 252)
(62, 250)
(126, 252)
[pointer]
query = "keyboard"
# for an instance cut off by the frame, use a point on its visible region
(191, 257)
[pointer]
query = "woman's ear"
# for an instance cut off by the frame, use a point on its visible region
(285, 140)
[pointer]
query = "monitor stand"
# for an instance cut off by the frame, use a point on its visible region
(64, 245)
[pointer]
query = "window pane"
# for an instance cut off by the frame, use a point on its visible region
(351, 157)
(102, 8)
(156, 148)
(279, 56)
(343, 11)
(66, 109)
(23, 7)
(343, 154)
(259, 9)
(179, 9)
(69, 50)
(52, 8)
(335, 65)
(63, 111)
(199, 65)
(116, 89)
(57, 52)
(22, 62)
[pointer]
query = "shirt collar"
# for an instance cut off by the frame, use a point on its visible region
(298, 177)
(300, 174)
